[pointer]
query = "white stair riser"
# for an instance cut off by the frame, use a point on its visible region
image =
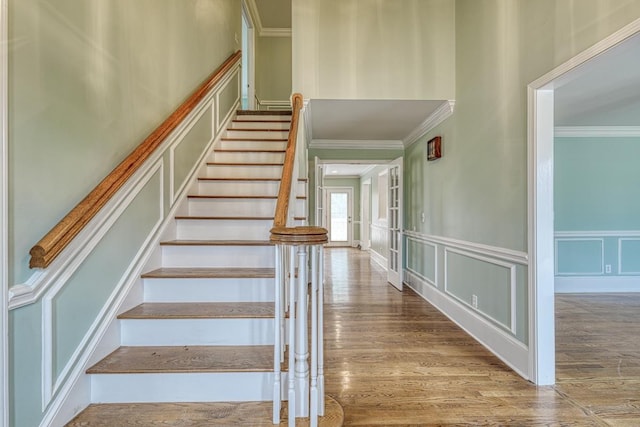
(181, 332)
(231, 207)
(243, 171)
(257, 134)
(252, 145)
(209, 290)
(247, 157)
(182, 387)
(244, 124)
(223, 229)
(260, 117)
(238, 188)
(218, 256)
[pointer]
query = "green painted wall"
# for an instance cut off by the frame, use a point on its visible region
(88, 81)
(596, 189)
(364, 49)
(273, 68)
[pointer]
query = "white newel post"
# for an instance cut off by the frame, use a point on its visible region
(305, 345)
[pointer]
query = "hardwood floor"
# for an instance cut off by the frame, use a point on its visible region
(392, 359)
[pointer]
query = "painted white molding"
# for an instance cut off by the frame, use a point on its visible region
(540, 138)
(621, 270)
(597, 131)
(255, 15)
(512, 285)
(504, 254)
(436, 269)
(273, 104)
(506, 347)
(601, 284)
(218, 90)
(30, 291)
(356, 144)
(50, 384)
(4, 214)
(579, 239)
(440, 115)
(306, 112)
(275, 32)
(377, 258)
(355, 243)
(603, 233)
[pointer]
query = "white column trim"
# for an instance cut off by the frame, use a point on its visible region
(4, 217)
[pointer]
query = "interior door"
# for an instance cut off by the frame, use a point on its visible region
(365, 222)
(394, 258)
(339, 205)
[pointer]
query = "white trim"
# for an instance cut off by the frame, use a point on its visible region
(620, 271)
(377, 258)
(51, 385)
(578, 239)
(275, 32)
(356, 144)
(254, 14)
(435, 280)
(597, 131)
(597, 233)
(218, 90)
(4, 215)
(250, 57)
(506, 347)
(512, 285)
(596, 284)
(355, 243)
(273, 104)
(30, 291)
(327, 191)
(504, 254)
(540, 140)
(438, 116)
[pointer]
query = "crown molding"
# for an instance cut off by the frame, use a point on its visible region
(596, 131)
(355, 144)
(255, 15)
(275, 32)
(440, 115)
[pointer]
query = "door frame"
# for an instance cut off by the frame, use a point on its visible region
(365, 226)
(393, 277)
(327, 204)
(250, 56)
(540, 142)
(4, 215)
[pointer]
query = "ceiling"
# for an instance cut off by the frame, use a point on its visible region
(605, 92)
(343, 169)
(356, 120)
(274, 14)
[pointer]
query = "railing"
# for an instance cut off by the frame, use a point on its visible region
(298, 263)
(56, 240)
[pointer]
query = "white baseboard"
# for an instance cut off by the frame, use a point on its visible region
(378, 259)
(355, 243)
(599, 284)
(506, 347)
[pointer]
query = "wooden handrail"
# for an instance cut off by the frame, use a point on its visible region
(282, 205)
(54, 242)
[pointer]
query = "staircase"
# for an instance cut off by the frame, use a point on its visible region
(205, 331)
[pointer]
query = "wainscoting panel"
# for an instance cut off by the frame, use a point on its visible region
(422, 260)
(579, 256)
(629, 256)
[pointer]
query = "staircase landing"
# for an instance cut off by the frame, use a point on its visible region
(256, 414)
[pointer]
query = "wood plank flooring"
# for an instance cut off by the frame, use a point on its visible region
(393, 359)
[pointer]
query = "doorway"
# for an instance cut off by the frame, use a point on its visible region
(247, 92)
(365, 217)
(394, 217)
(339, 203)
(541, 97)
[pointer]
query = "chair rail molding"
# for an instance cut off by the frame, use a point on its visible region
(596, 131)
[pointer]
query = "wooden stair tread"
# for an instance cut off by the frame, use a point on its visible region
(186, 359)
(255, 414)
(210, 273)
(201, 310)
(217, 243)
(255, 139)
(263, 112)
(240, 179)
(242, 164)
(213, 196)
(226, 218)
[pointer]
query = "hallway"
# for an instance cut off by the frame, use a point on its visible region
(392, 359)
